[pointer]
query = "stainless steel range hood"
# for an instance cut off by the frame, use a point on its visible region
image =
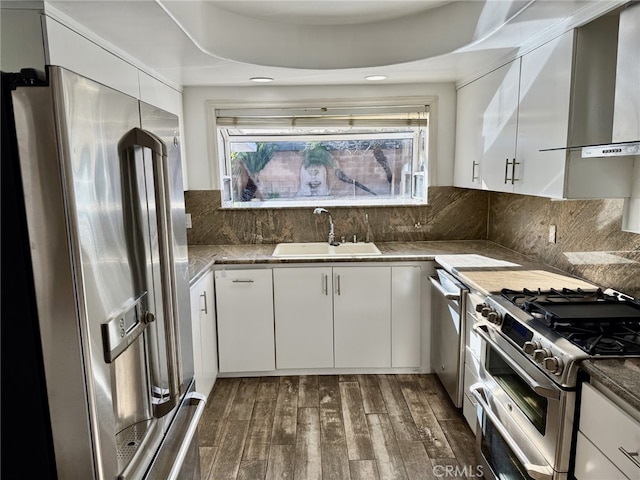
(625, 136)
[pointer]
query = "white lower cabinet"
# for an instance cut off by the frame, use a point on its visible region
(303, 303)
(203, 321)
(244, 304)
(608, 439)
(362, 316)
(406, 316)
(319, 317)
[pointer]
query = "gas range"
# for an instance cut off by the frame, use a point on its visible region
(556, 329)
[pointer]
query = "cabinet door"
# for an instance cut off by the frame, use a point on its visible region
(469, 111)
(592, 464)
(611, 430)
(486, 121)
(362, 316)
(203, 319)
(497, 122)
(303, 305)
(543, 118)
(405, 316)
(194, 294)
(208, 335)
(244, 304)
(68, 49)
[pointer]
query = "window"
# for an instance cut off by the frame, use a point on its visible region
(303, 157)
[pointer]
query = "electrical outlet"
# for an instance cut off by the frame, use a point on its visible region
(552, 233)
(188, 215)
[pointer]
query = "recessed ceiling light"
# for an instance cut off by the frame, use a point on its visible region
(261, 79)
(375, 78)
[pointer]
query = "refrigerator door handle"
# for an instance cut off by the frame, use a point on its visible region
(138, 137)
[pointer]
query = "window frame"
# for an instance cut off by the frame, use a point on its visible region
(221, 168)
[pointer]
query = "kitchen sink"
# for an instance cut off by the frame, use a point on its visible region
(321, 249)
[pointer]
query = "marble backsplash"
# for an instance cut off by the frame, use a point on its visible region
(452, 214)
(589, 241)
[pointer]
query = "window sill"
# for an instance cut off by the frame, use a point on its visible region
(280, 204)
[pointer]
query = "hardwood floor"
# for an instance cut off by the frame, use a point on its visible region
(332, 427)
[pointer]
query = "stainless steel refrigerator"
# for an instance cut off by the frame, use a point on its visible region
(103, 205)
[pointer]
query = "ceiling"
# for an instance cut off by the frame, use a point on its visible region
(325, 42)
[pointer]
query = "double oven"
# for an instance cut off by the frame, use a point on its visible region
(532, 344)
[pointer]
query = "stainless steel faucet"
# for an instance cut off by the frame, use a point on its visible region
(366, 222)
(332, 236)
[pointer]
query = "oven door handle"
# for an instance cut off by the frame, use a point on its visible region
(537, 472)
(547, 392)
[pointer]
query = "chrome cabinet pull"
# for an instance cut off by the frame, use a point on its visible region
(506, 170)
(338, 284)
(513, 171)
(474, 177)
(325, 284)
(242, 280)
(633, 456)
(205, 309)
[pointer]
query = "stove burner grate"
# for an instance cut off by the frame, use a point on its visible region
(620, 342)
(598, 323)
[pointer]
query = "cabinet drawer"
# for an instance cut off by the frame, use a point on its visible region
(591, 464)
(610, 429)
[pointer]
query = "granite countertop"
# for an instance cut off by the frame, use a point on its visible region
(620, 375)
(482, 265)
(201, 257)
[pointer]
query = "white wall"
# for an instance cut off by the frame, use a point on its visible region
(202, 166)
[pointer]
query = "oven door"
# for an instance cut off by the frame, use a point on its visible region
(524, 402)
(503, 450)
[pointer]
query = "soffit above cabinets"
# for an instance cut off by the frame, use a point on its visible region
(305, 42)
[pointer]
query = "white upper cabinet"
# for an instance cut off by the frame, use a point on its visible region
(66, 48)
(486, 129)
(33, 39)
(543, 119)
(517, 121)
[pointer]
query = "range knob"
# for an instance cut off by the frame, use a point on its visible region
(480, 306)
(553, 365)
(485, 311)
(494, 317)
(540, 354)
(530, 347)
